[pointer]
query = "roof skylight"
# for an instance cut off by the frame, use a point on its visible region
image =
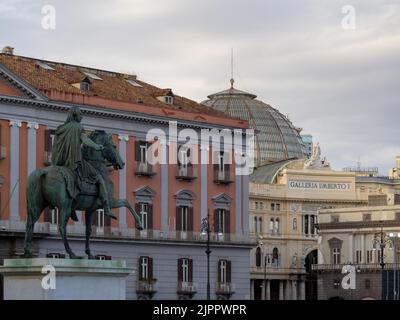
(134, 83)
(92, 75)
(44, 65)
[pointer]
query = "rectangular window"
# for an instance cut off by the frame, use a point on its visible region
(272, 206)
(144, 268)
(278, 207)
(222, 271)
(184, 218)
(143, 153)
(370, 256)
(185, 270)
(256, 205)
(54, 216)
(143, 211)
(221, 221)
(336, 255)
(358, 256)
(100, 218)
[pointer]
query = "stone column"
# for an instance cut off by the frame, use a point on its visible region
(14, 170)
(251, 289)
(281, 290)
(302, 290)
(268, 290)
(351, 248)
(294, 290)
(363, 254)
(31, 153)
(288, 295)
(123, 138)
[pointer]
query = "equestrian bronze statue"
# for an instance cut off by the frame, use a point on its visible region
(78, 179)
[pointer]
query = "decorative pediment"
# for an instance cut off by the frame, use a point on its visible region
(335, 242)
(222, 201)
(184, 197)
(144, 194)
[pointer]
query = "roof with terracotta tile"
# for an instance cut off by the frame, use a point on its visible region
(113, 86)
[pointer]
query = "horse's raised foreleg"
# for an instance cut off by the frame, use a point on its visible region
(124, 203)
(65, 214)
(88, 230)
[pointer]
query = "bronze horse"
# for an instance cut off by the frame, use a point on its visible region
(47, 188)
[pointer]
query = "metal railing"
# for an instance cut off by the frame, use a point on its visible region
(225, 288)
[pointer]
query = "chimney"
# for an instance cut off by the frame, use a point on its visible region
(8, 50)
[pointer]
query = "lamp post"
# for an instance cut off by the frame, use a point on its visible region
(382, 241)
(394, 237)
(205, 230)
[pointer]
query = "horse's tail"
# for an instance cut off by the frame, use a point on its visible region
(34, 198)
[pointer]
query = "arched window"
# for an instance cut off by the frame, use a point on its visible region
(276, 225)
(260, 228)
(271, 225)
(275, 256)
(258, 257)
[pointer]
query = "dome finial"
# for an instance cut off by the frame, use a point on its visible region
(232, 81)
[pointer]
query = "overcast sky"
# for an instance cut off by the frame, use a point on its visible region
(341, 85)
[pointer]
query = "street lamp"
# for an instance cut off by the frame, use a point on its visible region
(394, 237)
(206, 230)
(382, 241)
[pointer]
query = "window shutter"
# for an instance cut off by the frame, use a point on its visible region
(228, 271)
(227, 221)
(180, 278)
(47, 214)
(150, 216)
(107, 221)
(178, 219)
(227, 167)
(216, 220)
(190, 219)
(219, 270)
(150, 266)
(190, 262)
(1, 135)
(140, 268)
(47, 140)
(137, 150)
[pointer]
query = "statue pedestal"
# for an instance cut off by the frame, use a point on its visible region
(73, 279)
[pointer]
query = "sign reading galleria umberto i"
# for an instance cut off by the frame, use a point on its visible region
(319, 185)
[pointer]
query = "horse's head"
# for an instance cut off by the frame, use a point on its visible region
(109, 152)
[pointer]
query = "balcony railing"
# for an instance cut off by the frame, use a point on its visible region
(185, 172)
(222, 177)
(186, 288)
(146, 286)
(144, 169)
(363, 267)
(225, 288)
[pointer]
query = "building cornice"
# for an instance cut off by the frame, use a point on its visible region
(107, 113)
(357, 224)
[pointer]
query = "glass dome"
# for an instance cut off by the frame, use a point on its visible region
(276, 137)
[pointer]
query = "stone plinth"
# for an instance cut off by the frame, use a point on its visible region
(75, 279)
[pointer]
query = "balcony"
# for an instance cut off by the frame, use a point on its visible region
(144, 169)
(225, 288)
(186, 288)
(146, 287)
(222, 177)
(185, 173)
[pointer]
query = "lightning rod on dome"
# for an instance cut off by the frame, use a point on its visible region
(232, 80)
